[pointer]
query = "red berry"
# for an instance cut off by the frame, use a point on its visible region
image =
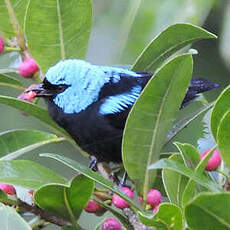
(8, 189)
(214, 161)
(111, 224)
(28, 67)
(1, 45)
(31, 192)
(119, 202)
(92, 206)
(154, 197)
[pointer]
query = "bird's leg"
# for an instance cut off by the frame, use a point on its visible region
(123, 179)
(105, 171)
(93, 163)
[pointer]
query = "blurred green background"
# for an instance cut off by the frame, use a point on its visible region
(121, 29)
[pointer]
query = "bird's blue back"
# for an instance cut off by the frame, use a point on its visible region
(86, 81)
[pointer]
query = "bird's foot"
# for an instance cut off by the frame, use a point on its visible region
(122, 182)
(93, 163)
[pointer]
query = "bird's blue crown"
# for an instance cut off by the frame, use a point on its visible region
(85, 83)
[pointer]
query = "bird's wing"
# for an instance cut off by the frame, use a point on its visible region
(118, 97)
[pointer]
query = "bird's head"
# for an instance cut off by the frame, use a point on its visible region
(72, 85)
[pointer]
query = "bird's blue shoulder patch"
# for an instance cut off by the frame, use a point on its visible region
(120, 102)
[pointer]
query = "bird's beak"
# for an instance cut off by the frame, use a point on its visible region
(40, 91)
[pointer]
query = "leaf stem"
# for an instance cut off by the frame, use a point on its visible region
(17, 29)
(11, 49)
(72, 217)
(60, 30)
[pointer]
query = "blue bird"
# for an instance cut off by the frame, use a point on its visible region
(92, 102)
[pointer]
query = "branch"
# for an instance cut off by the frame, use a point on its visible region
(47, 216)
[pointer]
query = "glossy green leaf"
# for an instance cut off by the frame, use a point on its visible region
(152, 117)
(19, 8)
(11, 220)
(14, 143)
(189, 153)
(167, 43)
(58, 30)
(221, 107)
(168, 217)
(33, 110)
(91, 174)
(209, 211)
(180, 168)
(27, 174)
(191, 187)
(180, 125)
(65, 201)
(6, 80)
(174, 182)
(223, 136)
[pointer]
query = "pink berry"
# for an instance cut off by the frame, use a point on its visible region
(8, 189)
(1, 45)
(214, 161)
(154, 197)
(141, 199)
(155, 210)
(92, 206)
(111, 224)
(119, 202)
(28, 67)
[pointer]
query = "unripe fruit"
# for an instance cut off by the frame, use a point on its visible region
(92, 206)
(214, 161)
(28, 67)
(8, 189)
(119, 202)
(111, 224)
(154, 197)
(1, 45)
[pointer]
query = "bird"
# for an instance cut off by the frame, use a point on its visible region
(92, 102)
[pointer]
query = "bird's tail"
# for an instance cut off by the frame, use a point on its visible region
(196, 86)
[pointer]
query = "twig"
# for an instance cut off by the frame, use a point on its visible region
(134, 220)
(45, 215)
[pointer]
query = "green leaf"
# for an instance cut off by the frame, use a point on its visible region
(174, 182)
(180, 168)
(27, 174)
(191, 187)
(19, 9)
(223, 136)
(168, 217)
(220, 108)
(33, 110)
(209, 211)
(10, 219)
(92, 175)
(180, 125)
(65, 201)
(151, 119)
(189, 153)
(58, 30)
(167, 43)
(14, 143)
(6, 80)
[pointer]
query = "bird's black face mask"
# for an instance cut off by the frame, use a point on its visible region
(46, 89)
